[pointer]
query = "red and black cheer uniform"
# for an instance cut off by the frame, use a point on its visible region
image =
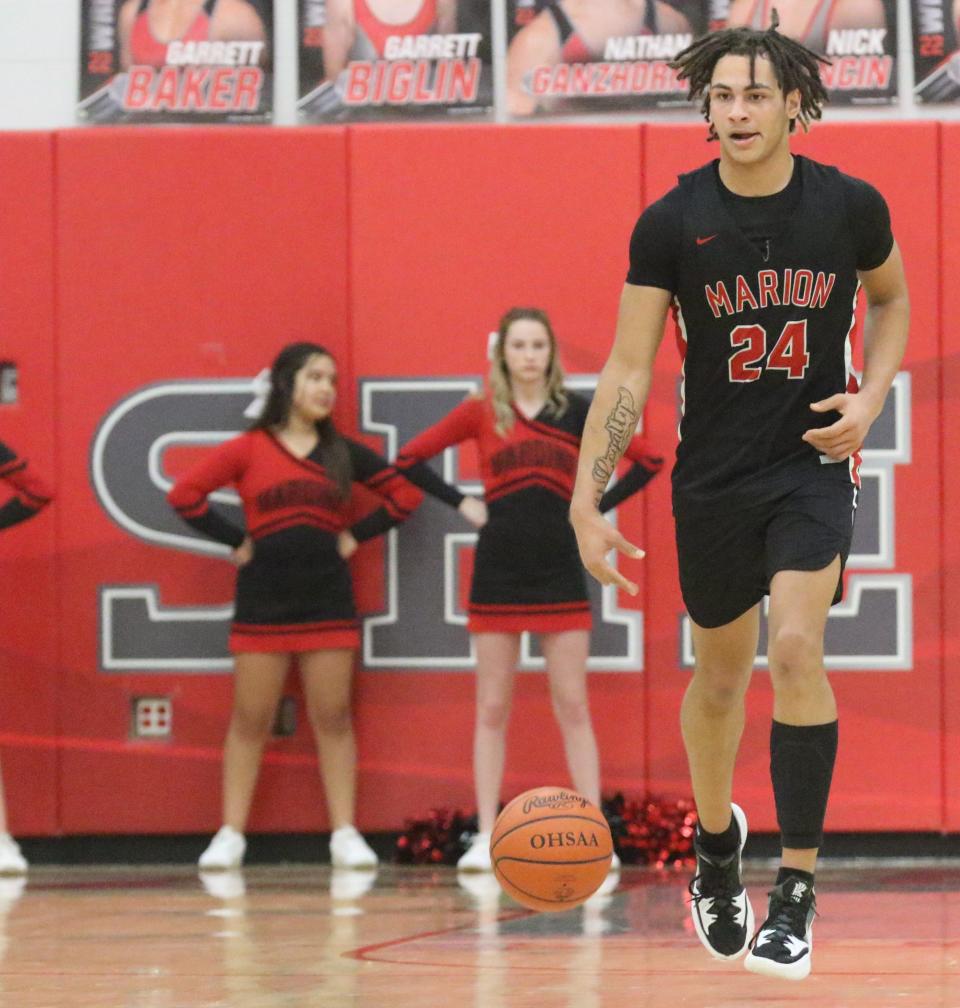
(30, 493)
(527, 573)
(295, 594)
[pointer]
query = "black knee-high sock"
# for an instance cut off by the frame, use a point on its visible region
(801, 768)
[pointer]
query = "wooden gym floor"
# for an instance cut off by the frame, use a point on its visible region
(292, 936)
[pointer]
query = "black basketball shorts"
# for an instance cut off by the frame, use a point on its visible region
(728, 556)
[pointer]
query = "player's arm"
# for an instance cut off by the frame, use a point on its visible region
(671, 21)
(338, 35)
(858, 14)
(446, 16)
(614, 413)
(125, 19)
(237, 21)
(536, 44)
(885, 329)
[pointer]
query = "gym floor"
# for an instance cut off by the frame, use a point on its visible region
(296, 935)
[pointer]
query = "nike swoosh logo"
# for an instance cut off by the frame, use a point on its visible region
(703, 241)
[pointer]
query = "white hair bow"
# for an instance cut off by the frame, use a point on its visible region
(260, 386)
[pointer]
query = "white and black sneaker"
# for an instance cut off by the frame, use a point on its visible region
(783, 947)
(719, 904)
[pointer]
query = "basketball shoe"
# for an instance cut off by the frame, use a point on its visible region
(349, 850)
(783, 947)
(225, 851)
(719, 904)
(477, 856)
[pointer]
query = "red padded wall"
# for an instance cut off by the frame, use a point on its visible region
(181, 254)
(28, 614)
(890, 720)
(140, 256)
(449, 228)
(948, 445)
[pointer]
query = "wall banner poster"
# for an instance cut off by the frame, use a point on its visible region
(936, 50)
(859, 39)
(148, 61)
(566, 58)
(370, 60)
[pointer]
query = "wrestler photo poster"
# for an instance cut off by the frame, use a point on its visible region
(368, 60)
(583, 57)
(858, 37)
(176, 61)
(567, 57)
(936, 50)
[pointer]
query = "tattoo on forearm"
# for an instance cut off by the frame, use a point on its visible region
(620, 425)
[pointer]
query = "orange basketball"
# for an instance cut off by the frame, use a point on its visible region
(551, 848)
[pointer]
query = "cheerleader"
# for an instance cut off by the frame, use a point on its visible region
(293, 471)
(527, 573)
(30, 496)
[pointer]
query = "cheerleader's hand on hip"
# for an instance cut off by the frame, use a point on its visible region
(474, 510)
(243, 554)
(346, 544)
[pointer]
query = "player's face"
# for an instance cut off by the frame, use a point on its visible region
(751, 117)
(526, 351)
(315, 388)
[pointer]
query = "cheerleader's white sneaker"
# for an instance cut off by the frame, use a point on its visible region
(12, 861)
(225, 851)
(477, 856)
(349, 850)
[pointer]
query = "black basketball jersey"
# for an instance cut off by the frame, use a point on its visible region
(763, 332)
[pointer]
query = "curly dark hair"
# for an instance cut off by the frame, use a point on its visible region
(796, 67)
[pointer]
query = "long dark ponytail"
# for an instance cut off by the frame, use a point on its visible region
(276, 411)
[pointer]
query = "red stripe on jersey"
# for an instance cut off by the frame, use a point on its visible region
(31, 490)
(293, 519)
(493, 608)
(193, 510)
(524, 482)
(545, 429)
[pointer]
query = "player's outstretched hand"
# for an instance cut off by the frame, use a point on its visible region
(841, 439)
(596, 537)
(474, 510)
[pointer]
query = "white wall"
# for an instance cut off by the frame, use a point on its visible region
(39, 56)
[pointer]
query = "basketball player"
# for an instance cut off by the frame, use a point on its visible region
(30, 496)
(147, 27)
(809, 22)
(358, 29)
(293, 471)
(761, 254)
(527, 575)
(576, 31)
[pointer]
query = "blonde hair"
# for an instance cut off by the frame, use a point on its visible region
(501, 395)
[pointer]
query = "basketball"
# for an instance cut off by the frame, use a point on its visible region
(551, 848)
